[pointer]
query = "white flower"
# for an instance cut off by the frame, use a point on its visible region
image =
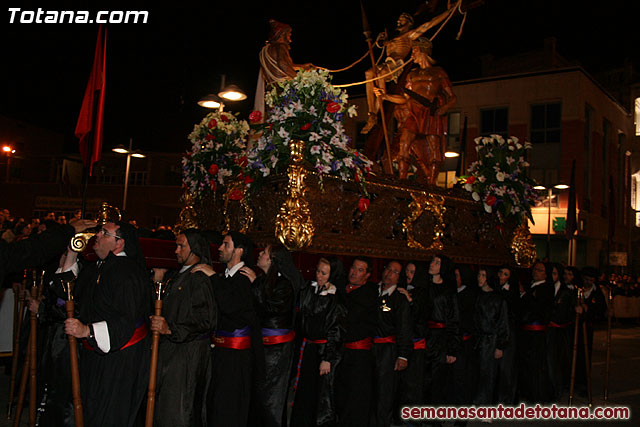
(525, 164)
(518, 146)
(327, 157)
(487, 208)
(477, 148)
(510, 160)
(348, 162)
(352, 111)
(478, 140)
(515, 139)
(283, 134)
(489, 154)
(500, 176)
(501, 190)
(475, 196)
(314, 137)
(482, 178)
(312, 110)
(511, 148)
(468, 187)
(273, 160)
(315, 149)
(297, 106)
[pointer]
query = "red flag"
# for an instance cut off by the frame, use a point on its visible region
(89, 126)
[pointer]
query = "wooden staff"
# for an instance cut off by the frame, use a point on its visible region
(17, 326)
(33, 364)
(586, 360)
(23, 386)
(73, 357)
(151, 394)
(608, 365)
(574, 359)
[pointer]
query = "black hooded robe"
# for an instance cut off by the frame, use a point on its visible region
(113, 383)
(184, 356)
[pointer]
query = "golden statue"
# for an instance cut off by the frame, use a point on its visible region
(421, 114)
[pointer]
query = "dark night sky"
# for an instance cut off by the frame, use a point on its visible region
(157, 71)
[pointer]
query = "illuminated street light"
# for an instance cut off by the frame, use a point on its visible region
(211, 101)
(451, 154)
(232, 93)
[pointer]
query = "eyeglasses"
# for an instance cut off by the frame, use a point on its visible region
(106, 233)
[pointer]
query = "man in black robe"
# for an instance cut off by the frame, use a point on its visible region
(535, 310)
(559, 334)
(392, 343)
(113, 305)
(188, 317)
(354, 373)
(507, 365)
(237, 354)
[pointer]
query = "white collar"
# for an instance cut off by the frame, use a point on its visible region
(557, 287)
(461, 288)
(330, 290)
(534, 284)
(387, 291)
(506, 287)
(185, 268)
(122, 253)
(587, 292)
(231, 272)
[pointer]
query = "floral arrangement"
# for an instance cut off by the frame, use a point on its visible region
(218, 153)
(499, 179)
(309, 108)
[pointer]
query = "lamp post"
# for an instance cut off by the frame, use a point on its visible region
(549, 196)
(8, 150)
(229, 93)
(130, 153)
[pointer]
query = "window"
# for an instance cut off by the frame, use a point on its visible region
(588, 128)
(637, 116)
(494, 121)
(545, 123)
(138, 178)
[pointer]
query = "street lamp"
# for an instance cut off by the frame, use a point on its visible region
(130, 153)
(211, 101)
(549, 196)
(8, 150)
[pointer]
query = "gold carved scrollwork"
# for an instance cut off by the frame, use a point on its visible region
(240, 191)
(107, 213)
(294, 227)
(522, 246)
(434, 204)
(188, 218)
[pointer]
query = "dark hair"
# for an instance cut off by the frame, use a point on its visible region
(366, 260)
(336, 275)
(590, 272)
(558, 267)
(241, 241)
(447, 269)
(466, 274)
(492, 278)
(282, 265)
(419, 278)
(577, 276)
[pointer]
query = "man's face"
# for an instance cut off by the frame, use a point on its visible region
(539, 272)
(226, 249)
(567, 276)
(503, 275)
(107, 241)
(589, 281)
(391, 274)
(183, 250)
(403, 23)
(51, 216)
(358, 274)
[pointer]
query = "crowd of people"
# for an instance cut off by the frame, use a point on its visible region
(257, 344)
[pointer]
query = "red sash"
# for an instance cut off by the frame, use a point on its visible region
(436, 325)
(279, 339)
(138, 335)
(466, 337)
(391, 339)
(236, 343)
(421, 344)
(316, 341)
(364, 344)
(558, 325)
(534, 328)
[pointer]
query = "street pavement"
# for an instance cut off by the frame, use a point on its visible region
(624, 383)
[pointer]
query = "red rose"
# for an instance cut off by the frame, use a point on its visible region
(270, 126)
(305, 126)
(241, 161)
(248, 180)
(470, 180)
(255, 116)
(209, 137)
(213, 169)
(224, 118)
(213, 185)
(236, 195)
(363, 204)
(333, 107)
(212, 124)
(357, 176)
(491, 200)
